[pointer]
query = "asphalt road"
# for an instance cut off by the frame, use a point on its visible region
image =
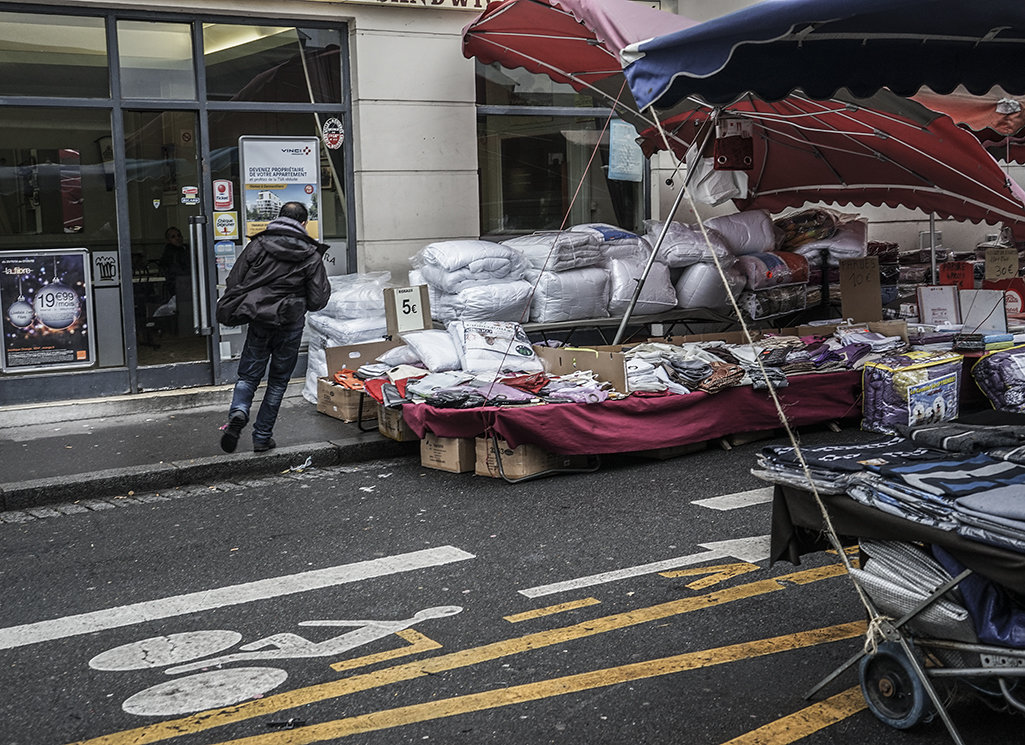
(388, 603)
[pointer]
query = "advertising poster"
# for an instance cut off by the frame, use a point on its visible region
(276, 170)
(934, 401)
(46, 301)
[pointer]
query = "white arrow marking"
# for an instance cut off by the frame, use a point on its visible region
(751, 549)
(735, 501)
(151, 610)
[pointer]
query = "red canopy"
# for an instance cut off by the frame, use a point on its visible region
(997, 118)
(881, 151)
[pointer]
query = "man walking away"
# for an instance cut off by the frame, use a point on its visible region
(278, 277)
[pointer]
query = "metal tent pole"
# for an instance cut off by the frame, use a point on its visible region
(932, 246)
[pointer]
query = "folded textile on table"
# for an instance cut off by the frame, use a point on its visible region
(900, 499)
(958, 437)
(615, 242)
(724, 375)
(557, 250)
(995, 516)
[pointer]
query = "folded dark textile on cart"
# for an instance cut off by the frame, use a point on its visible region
(997, 613)
(995, 516)
(965, 438)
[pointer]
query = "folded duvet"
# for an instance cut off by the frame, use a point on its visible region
(558, 251)
(452, 266)
(570, 295)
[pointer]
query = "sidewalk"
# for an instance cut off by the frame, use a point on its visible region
(54, 453)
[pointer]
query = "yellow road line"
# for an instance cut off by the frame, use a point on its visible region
(802, 723)
(389, 718)
(551, 610)
(417, 643)
(813, 575)
(715, 574)
(411, 670)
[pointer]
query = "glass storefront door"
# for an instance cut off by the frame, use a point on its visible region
(164, 192)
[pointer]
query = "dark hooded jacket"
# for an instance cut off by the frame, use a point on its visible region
(278, 277)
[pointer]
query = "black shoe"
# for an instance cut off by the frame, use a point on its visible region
(229, 437)
(264, 446)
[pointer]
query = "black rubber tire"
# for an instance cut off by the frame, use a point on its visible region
(892, 689)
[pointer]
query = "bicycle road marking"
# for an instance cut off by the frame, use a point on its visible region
(404, 715)
(276, 703)
(748, 498)
(178, 605)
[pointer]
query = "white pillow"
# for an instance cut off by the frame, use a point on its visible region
(435, 349)
(402, 355)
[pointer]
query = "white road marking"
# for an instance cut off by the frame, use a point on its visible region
(752, 549)
(126, 615)
(735, 501)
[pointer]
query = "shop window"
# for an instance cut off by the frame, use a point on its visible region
(55, 181)
(271, 63)
(542, 167)
(52, 55)
(156, 60)
(549, 172)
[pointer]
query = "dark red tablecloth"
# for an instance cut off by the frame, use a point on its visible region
(643, 423)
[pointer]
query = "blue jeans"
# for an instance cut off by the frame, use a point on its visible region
(263, 343)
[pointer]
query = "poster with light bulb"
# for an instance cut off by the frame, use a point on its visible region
(46, 307)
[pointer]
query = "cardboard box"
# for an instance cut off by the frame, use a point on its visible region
(353, 356)
(608, 363)
(391, 424)
(518, 463)
(343, 403)
(452, 454)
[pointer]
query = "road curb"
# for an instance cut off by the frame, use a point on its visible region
(154, 477)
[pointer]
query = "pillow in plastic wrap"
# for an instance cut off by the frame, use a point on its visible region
(1001, 377)
(700, 286)
(505, 301)
(356, 295)
(616, 243)
(657, 296)
(452, 266)
(773, 269)
(748, 232)
(684, 245)
(316, 366)
(910, 389)
(348, 331)
(400, 355)
(773, 301)
(805, 226)
(435, 349)
(558, 251)
(493, 347)
(569, 296)
(850, 241)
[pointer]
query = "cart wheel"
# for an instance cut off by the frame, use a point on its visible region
(892, 689)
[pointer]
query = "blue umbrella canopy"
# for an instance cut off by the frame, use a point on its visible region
(821, 46)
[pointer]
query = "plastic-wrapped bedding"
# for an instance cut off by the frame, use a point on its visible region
(616, 243)
(910, 389)
(356, 295)
(684, 245)
(850, 241)
(772, 269)
(748, 232)
(657, 296)
(558, 250)
(1001, 377)
(348, 331)
(700, 286)
(491, 347)
(503, 301)
(773, 301)
(569, 296)
(452, 266)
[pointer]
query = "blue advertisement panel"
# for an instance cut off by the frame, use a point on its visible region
(46, 301)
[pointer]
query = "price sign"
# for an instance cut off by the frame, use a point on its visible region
(1001, 263)
(860, 291)
(959, 273)
(407, 309)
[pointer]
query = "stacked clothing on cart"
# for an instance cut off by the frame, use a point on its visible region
(833, 467)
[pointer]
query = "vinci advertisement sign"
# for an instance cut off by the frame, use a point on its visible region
(276, 170)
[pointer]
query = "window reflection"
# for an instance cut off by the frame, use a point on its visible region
(270, 63)
(156, 60)
(43, 55)
(501, 86)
